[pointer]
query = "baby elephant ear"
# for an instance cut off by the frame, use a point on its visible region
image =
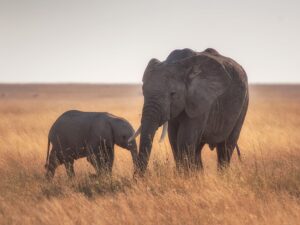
(151, 65)
(206, 79)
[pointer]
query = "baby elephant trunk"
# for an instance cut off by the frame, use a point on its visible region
(134, 153)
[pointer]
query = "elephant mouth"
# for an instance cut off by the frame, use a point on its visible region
(163, 121)
(162, 136)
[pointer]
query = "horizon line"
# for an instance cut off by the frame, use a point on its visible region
(133, 83)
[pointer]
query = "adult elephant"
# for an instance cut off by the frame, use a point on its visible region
(203, 96)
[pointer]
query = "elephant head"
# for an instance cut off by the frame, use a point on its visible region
(185, 83)
(122, 131)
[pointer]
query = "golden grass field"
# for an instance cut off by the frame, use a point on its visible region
(262, 189)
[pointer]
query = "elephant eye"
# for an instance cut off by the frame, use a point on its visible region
(172, 94)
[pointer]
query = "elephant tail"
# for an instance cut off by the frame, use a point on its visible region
(47, 158)
(238, 152)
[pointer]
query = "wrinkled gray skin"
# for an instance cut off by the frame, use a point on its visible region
(204, 98)
(77, 134)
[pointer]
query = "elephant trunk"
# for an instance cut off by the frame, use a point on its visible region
(149, 125)
(147, 134)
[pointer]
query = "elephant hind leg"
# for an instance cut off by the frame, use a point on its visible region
(54, 162)
(224, 152)
(225, 149)
(172, 133)
(232, 140)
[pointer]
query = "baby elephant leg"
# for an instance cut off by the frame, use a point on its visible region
(53, 163)
(108, 159)
(94, 160)
(70, 168)
(101, 157)
(92, 157)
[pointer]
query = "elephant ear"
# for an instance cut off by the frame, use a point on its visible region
(151, 66)
(207, 79)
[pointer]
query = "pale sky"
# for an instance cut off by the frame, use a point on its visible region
(112, 41)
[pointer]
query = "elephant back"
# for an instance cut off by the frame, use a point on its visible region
(234, 70)
(179, 54)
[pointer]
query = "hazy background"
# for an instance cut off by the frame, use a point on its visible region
(112, 41)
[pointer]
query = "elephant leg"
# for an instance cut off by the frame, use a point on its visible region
(54, 162)
(107, 159)
(225, 148)
(188, 141)
(224, 152)
(110, 160)
(70, 168)
(101, 158)
(95, 162)
(94, 159)
(235, 134)
(198, 159)
(172, 133)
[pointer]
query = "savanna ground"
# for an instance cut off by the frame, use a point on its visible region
(263, 189)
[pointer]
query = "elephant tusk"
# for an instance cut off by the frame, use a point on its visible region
(164, 132)
(137, 133)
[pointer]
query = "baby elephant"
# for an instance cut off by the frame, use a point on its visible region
(77, 134)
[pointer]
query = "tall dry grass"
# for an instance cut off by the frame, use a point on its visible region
(263, 189)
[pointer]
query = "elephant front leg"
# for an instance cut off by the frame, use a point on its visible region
(198, 159)
(94, 160)
(102, 159)
(70, 168)
(172, 133)
(111, 159)
(189, 145)
(108, 160)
